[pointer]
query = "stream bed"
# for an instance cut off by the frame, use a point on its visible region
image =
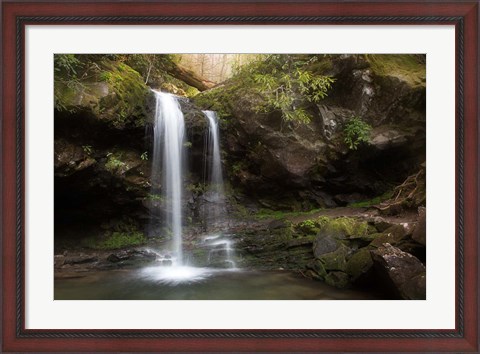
(188, 283)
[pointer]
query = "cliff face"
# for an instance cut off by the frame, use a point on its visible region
(310, 165)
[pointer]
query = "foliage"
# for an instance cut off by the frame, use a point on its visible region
(356, 131)
(117, 239)
(155, 197)
(67, 64)
(114, 164)
(66, 68)
(198, 188)
(288, 86)
(87, 149)
(144, 156)
(344, 225)
(130, 92)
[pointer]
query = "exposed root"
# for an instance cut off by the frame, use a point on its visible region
(410, 194)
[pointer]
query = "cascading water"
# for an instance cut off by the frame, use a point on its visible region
(221, 253)
(167, 165)
(167, 178)
(216, 191)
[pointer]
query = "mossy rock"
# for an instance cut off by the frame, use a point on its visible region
(393, 235)
(338, 279)
(317, 267)
(336, 260)
(405, 67)
(360, 263)
(324, 245)
(344, 227)
(112, 92)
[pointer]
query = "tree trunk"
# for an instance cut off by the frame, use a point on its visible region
(190, 77)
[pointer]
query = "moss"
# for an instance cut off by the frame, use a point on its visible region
(374, 201)
(128, 94)
(338, 279)
(219, 100)
(344, 227)
(280, 214)
(336, 260)
(360, 263)
(406, 67)
(115, 240)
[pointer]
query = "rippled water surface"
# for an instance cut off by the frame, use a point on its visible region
(187, 283)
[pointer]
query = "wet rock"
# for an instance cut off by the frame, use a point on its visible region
(404, 272)
(317, 267)
(338, 279)
(119, 256)
(81, 259)
(143, 255)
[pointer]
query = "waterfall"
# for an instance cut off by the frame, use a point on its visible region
(220, 245)
(216, 176)
(167, 164)
(216, 192)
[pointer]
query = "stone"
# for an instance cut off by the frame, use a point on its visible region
(318, 268)
(277, 224)
(420, 231)
(359, 264)
(338, 279)
(81, 259)
(323, 245)
(59, 260)
(299, 242)
(380, 223)
(336, 260)
(402, 270)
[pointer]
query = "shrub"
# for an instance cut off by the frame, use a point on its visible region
(356, 131)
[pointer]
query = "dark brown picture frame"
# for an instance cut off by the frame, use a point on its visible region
(17, 14)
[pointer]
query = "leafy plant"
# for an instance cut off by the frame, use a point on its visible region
(87, 149)
(66, 64)
(144, 156)
(356, 131)
(286, 83)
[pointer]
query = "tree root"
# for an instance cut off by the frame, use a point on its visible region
(410, 194)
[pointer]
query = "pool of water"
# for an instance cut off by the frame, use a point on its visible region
(187, 283)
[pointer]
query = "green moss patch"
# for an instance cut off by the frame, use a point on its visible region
(406, 67)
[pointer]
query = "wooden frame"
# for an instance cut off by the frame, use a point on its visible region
(17, 14)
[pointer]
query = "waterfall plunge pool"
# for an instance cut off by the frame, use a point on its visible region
(190, 283)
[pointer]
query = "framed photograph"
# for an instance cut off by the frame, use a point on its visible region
(259, 176)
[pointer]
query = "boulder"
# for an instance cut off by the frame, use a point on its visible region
(338, 279)
(404, 272)
(359, 264)
(80, 259)
(324, 244)
(420, 231)
(336, 260)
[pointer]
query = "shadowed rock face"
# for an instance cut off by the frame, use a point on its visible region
(312, 161)
(405, 273)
